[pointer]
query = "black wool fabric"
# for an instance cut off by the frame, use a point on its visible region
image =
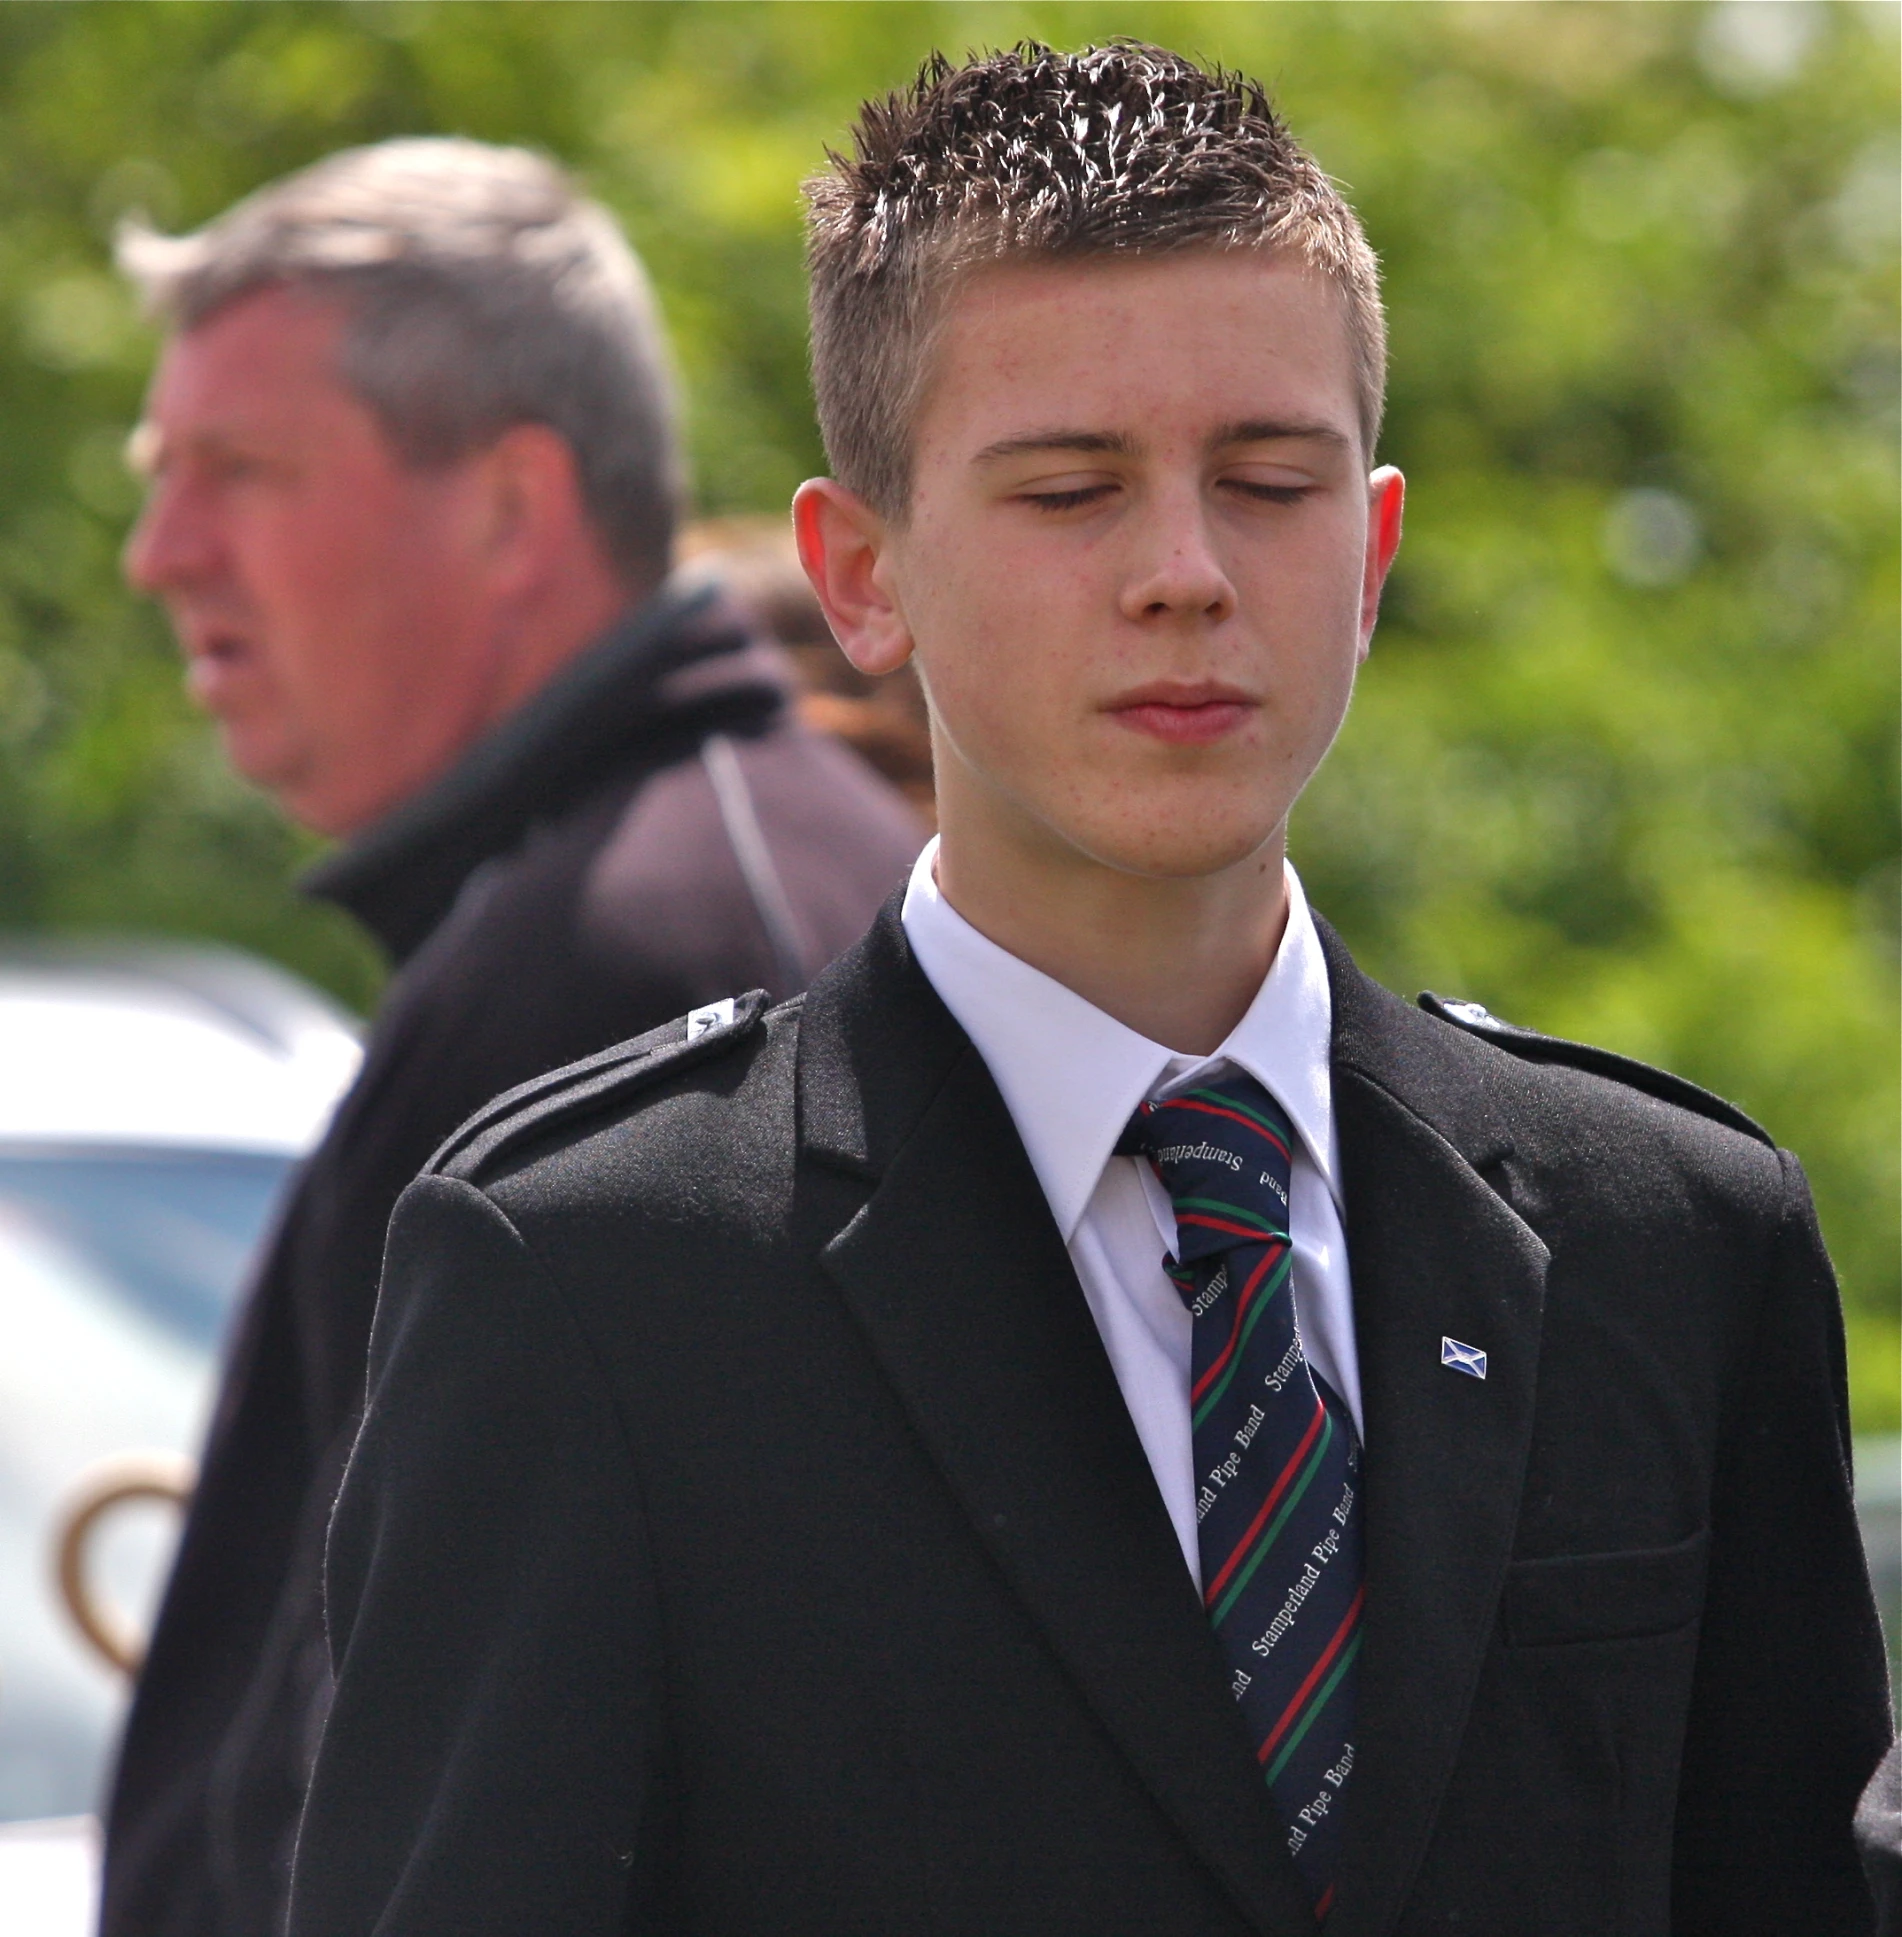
(747, 1535)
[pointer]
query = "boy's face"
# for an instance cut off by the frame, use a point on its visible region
(1142, 559)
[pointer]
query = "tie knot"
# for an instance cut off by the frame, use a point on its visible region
(1222, 1153)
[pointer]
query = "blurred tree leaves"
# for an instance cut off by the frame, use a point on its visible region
(1624, 763)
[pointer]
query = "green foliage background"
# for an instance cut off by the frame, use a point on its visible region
(1624, 764)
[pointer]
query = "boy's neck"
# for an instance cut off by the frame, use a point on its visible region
(1178, 961)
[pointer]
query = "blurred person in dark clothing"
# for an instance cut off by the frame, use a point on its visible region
(413, 484)
(884, 719)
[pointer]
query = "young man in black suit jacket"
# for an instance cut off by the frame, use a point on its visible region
(1100, 1419)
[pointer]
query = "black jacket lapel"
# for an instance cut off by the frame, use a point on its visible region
(956, 1273)
(1436, 1253)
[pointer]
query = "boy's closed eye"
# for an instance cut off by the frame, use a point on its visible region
(1071, 497)
(1066, 497)
(1260, 491)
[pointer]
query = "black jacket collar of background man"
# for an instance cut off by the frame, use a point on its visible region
(894, 1094)
(673, 670)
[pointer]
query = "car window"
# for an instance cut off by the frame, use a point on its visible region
(171, 1233)
(119, 1271)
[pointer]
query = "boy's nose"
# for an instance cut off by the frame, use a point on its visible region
(1180, 575)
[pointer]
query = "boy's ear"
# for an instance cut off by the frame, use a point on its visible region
(1386, 498)
(842, 545)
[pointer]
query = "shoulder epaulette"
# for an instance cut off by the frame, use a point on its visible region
(1601, 1062)
(612, 1074)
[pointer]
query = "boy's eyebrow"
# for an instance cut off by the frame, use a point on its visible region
(1274, 430)
(1114, 443)
(1107, 443)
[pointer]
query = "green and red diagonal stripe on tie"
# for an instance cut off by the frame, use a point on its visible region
(1276, 1456)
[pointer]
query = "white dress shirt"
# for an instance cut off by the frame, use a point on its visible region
(1072, 1077)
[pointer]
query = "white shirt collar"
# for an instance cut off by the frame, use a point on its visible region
(1072, 1076)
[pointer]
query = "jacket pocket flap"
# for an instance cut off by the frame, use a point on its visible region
(1604, 1597)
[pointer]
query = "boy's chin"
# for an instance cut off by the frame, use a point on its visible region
(1171, 853)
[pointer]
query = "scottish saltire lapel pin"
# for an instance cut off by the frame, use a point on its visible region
(1463, 1358)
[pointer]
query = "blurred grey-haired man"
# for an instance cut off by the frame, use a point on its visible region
(413, 480)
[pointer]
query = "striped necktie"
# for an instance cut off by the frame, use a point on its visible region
(1277, 1460)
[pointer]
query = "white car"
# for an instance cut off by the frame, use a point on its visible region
(153, 1100)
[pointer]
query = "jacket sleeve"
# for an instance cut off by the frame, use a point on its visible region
(491, 1760)
(1789, 1709)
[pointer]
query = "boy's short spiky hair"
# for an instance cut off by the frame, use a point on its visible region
(1123, 149)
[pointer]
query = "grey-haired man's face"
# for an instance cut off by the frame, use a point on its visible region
(318, 584)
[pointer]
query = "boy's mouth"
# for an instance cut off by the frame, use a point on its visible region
(1183, 712)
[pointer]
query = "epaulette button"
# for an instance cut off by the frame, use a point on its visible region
(1473, 1015)
(716, 1015)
